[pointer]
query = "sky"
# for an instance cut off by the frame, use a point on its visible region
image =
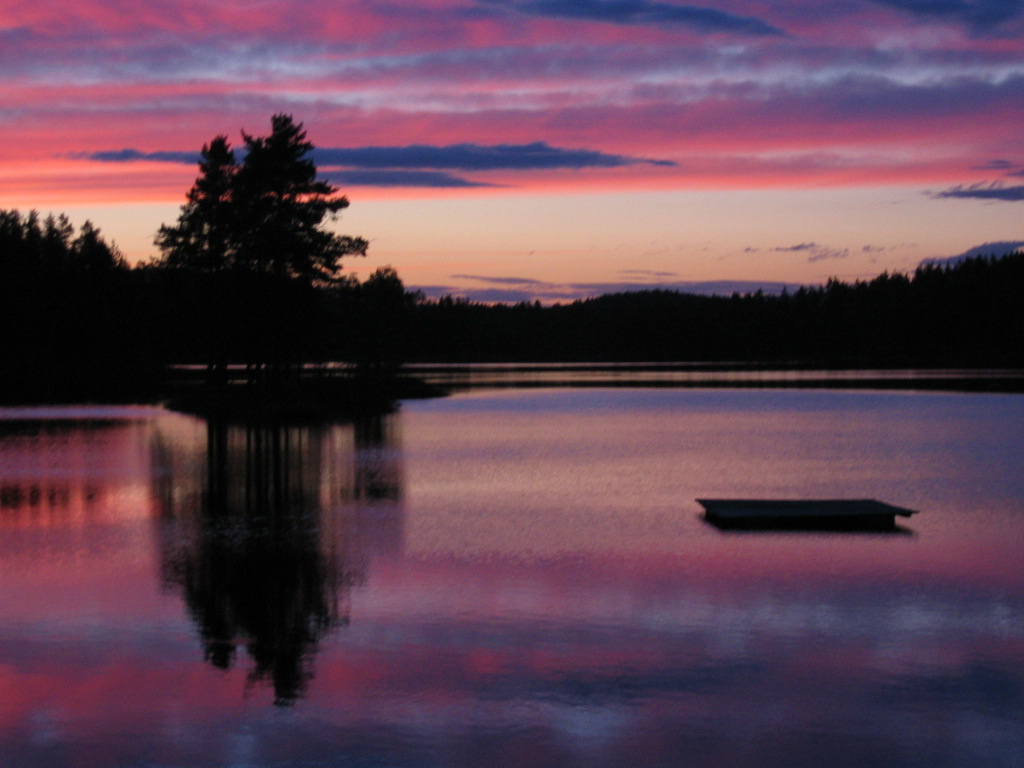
(545, 149)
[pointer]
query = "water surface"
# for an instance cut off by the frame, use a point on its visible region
(513, 578)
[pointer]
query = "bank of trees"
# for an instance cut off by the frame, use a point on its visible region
(967, 314)
(66, 299)
(250, 275)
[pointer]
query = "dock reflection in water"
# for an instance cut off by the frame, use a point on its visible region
(265, 530)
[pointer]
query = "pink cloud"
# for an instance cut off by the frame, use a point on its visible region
(854, 93)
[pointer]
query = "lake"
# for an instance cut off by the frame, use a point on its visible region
(514, 577)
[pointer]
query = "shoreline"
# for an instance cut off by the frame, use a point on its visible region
(333, 396)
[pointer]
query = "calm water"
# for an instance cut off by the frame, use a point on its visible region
(517, 578)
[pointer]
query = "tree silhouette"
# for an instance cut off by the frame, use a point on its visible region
(283, 207)
(266, 215)
(202, 239)
(91, 253)
(203, 242)
(58, 234)
(381, 312)
(257, 232)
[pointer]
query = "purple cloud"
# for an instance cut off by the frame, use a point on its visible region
(821, 254)
(995, 249)
(401, 178)
(498, 280)
(994, 165)
(416, 165)
(477, 157)
(981, 16)
(983, 191)
(816, 252)
(796, 248)
(384, 177)
(135, 155)
(644, 12)
(646, 273)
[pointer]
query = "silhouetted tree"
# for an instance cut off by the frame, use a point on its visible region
(203, 239)
(284, 206)
(382, 312)
(58, 234)
(91, 253)
(257, 231)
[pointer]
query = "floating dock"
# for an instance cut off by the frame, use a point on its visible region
(803, 514)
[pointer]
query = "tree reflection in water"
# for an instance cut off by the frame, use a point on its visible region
(267, 537)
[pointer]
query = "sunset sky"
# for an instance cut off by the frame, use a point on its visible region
(509, 149)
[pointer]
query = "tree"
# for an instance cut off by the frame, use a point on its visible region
(91, 253)
(58, 234)
(380, 324)
(203, 238)
(285, 205)
(204, 241)
(266, 215)
(257, 231)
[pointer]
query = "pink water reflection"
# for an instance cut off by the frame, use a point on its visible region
(523, 578)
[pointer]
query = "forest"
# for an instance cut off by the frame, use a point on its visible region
(80, 323)
(249, 288)
(966, 314)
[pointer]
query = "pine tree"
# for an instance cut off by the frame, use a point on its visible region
(256, 230)
(204, 239)
(91, 253)
(285, 207)
(266, 215)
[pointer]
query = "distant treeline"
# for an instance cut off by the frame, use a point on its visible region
(76, 322)
(965, 314)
